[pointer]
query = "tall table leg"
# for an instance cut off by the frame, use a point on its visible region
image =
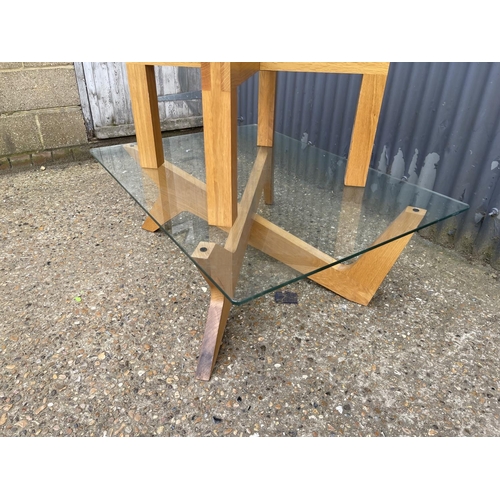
(365, 127)
(265, 126)
(219, 101)
(223, 264)
(144, 98)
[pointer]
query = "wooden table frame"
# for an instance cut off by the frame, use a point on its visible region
(216, 200)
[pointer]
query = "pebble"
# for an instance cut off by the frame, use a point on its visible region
(328, 353)
(39, 409)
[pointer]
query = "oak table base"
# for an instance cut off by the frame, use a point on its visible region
(215, 200)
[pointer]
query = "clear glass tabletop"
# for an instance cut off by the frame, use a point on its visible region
(313, 211)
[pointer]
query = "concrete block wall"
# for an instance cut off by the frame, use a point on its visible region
(41, 120)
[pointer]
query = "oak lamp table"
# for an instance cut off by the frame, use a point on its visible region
(255, 210)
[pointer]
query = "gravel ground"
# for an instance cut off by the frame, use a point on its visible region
(101, 325)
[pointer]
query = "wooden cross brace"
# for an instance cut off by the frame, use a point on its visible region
(220, 265)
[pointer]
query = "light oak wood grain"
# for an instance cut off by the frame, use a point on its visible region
(144, 99)
(223, 264)
(357, 282)
(219, 100)
(363, 68)
(216, 201)
(266, 108)
(238, 235)
(178, 192)
(183, 64)
(241, 71)
(265, 125)
(365, 128)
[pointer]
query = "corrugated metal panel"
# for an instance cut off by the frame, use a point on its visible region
(439, 126)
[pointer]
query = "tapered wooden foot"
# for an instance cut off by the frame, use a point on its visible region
(218, 313)
(360, 281)
(150, 225)
(357, 282)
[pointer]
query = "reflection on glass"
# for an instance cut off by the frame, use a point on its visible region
(310, 202)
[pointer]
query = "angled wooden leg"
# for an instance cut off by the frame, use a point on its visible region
(223, 264)
(357, 282)
(366, 274)
(218, 313)
(365, 127)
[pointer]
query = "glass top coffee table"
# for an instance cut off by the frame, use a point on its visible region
(344, 238)
(255, 210)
